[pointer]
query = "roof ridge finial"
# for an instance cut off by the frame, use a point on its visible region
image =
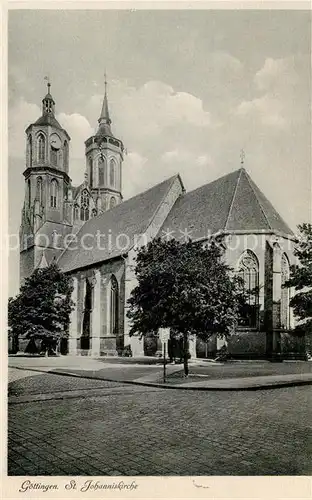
(242, 157)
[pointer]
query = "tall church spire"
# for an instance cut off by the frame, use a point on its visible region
(104, 120)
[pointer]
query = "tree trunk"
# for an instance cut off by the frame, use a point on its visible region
(185, 354)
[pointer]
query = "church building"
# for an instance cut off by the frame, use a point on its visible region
(93, 235)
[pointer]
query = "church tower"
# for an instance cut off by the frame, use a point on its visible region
(44, 213)
(104, 157)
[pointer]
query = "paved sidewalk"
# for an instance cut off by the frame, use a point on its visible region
(92, 370)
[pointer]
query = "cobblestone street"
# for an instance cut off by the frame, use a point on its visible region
(128, 430)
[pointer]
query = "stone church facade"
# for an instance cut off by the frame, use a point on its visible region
(93, 235)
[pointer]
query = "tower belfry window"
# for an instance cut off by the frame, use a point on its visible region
(29, 151)
(66, 155)
(41, 148)
(91, 171)
(29, 193)
(112, 173)
(54, 193)
(39, 190)
(101, 171)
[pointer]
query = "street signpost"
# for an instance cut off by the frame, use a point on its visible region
(164, 334)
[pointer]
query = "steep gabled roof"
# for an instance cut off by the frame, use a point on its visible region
(231, 203)
(113, 232)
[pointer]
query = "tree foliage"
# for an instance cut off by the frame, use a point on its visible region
(42, 308)
(184, 287)
(301, 280)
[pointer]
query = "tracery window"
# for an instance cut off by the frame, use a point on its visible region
(84, 205)
(285, 271)
(54, 193)
(114, 306)
(41, 148)
(248, 271)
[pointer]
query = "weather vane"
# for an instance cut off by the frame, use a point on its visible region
(242, 156)
(47, 79)
(105, 81)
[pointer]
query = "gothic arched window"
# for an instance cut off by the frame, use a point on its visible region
(65, 155)
(91, 172)
(76, 212)
(248, 271)
(39, 190)
(84, 205)
(28, 193)
(54, 193)
(41, 148)
(101, 171)
(112, 202)
(112, 173)
(54, 156)
(29, 151)
(285, 272)
(114, 306)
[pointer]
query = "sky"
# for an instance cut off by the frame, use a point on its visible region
(187, 90)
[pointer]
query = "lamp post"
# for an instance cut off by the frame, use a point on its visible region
(58, 300)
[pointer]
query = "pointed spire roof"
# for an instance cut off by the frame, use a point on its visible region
(104, 120)
(231, 203)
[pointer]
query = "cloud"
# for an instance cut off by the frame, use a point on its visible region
(276, 72)
(267, 109)
(224, 61)
(79, 130)
(152, 108)
(282, 104)
(21, 114)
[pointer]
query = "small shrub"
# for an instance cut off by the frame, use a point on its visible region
(126, 352)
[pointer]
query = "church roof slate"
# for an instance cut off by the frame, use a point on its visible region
(116, 227)
(48, 119)
(231, 203)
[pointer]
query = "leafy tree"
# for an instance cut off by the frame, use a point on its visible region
(301, 280)
(184, 287)
(42, 308)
